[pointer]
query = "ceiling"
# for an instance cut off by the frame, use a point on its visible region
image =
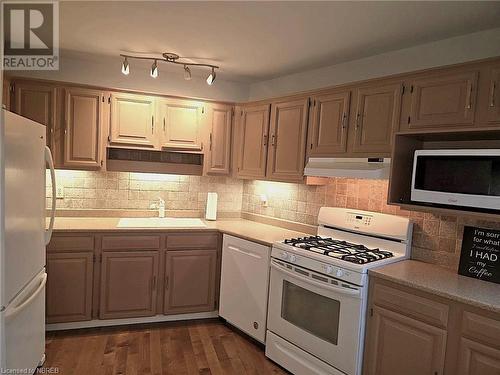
(255, 41)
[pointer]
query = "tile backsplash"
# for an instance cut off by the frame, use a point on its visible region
(436, 238)
(124, 190)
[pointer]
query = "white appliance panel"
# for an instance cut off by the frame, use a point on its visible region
(24, 255)
(24, 329)
(244, 285)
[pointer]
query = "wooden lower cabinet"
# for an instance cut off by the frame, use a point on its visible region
(128, 284)
(69, 286)
(190, 281)
(417, 333)
(478, 359)
(395, 341)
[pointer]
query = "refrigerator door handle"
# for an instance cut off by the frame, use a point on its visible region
(49, 161)
(17, 308)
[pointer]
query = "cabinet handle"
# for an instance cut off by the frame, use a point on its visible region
(166, 282)
(152, 124)
(468, 101)
(344, 121)
(210, 142)
(358, 118)
(492, 93)
(164, 125)
(265, 139)
(154, 283)
(273, 140)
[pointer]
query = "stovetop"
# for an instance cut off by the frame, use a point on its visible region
(339, 249)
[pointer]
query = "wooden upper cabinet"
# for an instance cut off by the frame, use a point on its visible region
(253, 128)
(190, 281)
(219, 143)
(181, 124)
(397, 344)
(490, 108)
(128, 284)
(376, 117)
(83, 126)
(69, 286)
(441, 99)
(287, 140)
(37, 102)
(328, 124)
(132, 120)
(6, 87)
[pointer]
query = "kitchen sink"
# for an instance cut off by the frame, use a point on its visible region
(160, 222)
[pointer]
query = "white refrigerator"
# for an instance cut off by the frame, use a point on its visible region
(23, 237)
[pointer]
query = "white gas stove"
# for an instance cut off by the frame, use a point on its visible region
(319, 284)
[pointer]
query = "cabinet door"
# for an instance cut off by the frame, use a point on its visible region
(478, 359)
(190, 279)
(219, 146)
(253, 134)
(397, 344)
(288, 132)
(69, 286)
(329, 122)
(377, 116)
(132, 120)
(493, 104)
(442, 100)
(38, 103)
(128, 284)
(83, 127)
(181, 124)
(6, 87)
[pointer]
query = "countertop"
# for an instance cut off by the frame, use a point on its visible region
(247, 229)
(442, 282)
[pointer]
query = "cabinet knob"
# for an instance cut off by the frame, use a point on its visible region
(255, 325)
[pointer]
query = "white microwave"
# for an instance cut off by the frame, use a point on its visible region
(465, 178)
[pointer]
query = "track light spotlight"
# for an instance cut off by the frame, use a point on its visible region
(154, 70)
(211, 77)
(125, 67)
(187, 73)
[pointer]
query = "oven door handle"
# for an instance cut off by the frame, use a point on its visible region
(341, 290)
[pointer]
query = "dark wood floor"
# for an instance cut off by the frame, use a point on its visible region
(194, 347)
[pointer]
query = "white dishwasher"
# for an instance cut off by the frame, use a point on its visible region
(244, 285)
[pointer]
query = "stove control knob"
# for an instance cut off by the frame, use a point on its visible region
(329, 269)
(340, 273)
(284, 255)
(293, 258)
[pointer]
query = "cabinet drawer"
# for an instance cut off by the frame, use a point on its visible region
(421, 308)
(71, 243)
(192, 241)
(132, 242)
(481, 328)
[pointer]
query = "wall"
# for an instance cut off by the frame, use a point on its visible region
(436, 238)
(132, 191)
(455, 50)
(106, 72)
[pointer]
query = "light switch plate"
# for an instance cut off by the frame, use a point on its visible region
(60, 192)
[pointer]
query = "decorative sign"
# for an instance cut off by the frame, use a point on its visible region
(480, 256)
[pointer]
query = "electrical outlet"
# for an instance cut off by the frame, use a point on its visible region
(60, 192)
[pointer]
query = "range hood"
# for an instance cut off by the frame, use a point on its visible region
(373, 168)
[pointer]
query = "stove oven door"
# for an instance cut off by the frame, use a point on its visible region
(319, 314)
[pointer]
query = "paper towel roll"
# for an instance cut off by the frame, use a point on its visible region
(211, 212)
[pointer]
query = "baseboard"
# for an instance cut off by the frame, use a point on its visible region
(118, 322)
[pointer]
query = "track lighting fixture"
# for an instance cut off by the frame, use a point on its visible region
(211, 77)
(125, 67)
(187, 73)
(154, 70)
(169, 58)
